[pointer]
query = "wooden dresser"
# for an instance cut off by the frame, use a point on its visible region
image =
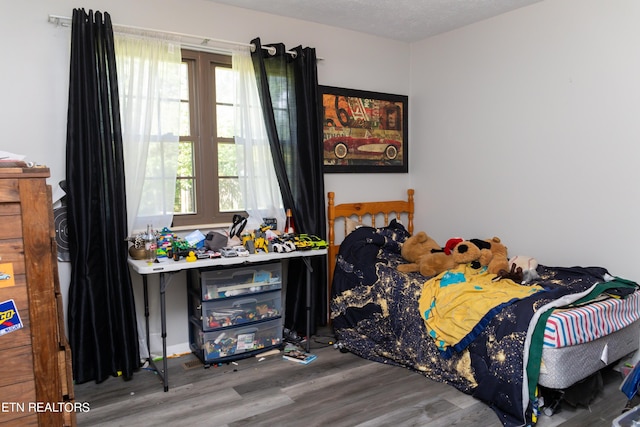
(36, 386)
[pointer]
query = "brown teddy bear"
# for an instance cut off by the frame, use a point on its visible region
(491, 253)
(475, 252)
(500, 260)
(424, 255)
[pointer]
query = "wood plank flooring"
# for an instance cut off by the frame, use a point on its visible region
(337, 389)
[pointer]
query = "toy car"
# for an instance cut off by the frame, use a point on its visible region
(302, 244)
(228, 252)
(207, 254)
(341, 146)
(241, 251)
(283, 246)
(5, 276)
(316, 242)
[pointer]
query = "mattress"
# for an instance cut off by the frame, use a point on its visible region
(562, 367)
(579, 325)
(581, 340)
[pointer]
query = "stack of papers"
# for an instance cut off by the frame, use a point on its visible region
(8, 159)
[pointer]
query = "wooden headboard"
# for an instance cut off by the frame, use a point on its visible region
(361, 211)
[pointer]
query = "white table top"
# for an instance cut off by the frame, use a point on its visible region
(143, 267)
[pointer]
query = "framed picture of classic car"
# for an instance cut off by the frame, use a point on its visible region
(363, 131)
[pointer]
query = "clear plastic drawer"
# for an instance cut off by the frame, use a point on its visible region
(232, 282)
(234, 343)
(244, 309)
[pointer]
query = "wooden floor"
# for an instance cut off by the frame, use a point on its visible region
(337, 389)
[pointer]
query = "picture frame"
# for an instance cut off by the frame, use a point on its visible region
(364, 131)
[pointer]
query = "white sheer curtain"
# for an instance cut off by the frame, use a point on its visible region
(149, 85)
(261, 193)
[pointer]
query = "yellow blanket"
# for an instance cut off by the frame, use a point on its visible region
(457, 304)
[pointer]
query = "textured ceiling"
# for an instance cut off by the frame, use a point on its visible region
(405, 20)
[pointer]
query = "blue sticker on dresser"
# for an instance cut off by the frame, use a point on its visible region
(9, 317)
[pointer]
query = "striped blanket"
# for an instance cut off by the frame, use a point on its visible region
(566, 327)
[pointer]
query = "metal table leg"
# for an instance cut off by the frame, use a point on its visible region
(164, 282)
(146, 315)
(307, 262)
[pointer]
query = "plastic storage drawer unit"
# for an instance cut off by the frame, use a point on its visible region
(231, 282)
(227, 312)
(630, 418)
(235, 343)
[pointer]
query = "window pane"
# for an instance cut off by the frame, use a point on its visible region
(184, 81)
(229, 191)
(185, 202)
(185, 119)
(225, 85)
(185, 182)
(185, 159)
(283, 116)
(224, 115)
(227, 161)
(167, 119)
(154, 163)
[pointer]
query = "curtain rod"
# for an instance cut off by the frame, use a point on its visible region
(65, 21)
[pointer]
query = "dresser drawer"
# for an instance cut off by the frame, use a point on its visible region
(9, 190)
(231, 312)
(232, 282)
(234, 343)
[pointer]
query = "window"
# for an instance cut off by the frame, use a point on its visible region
(207, 185)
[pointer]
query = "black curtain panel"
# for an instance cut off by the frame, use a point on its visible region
(288, 88)
(101, 313)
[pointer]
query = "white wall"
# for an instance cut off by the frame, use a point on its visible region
(526, 126)
(35, 73)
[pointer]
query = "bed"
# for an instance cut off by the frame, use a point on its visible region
(583, 320)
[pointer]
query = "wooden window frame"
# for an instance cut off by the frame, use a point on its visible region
(203, 133)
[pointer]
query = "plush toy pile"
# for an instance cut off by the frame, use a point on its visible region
(425, 255)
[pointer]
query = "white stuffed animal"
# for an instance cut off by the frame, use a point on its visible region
(528, 265)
